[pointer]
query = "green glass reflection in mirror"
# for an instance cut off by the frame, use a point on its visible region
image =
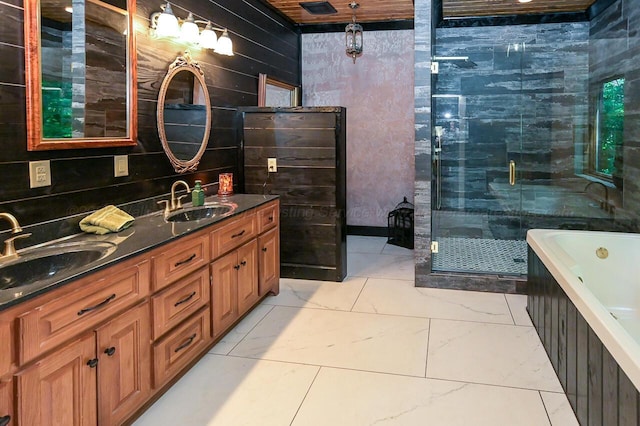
(80, 57)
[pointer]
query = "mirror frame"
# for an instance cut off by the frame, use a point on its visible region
(33, 82)
(183, 63)
(264, 80)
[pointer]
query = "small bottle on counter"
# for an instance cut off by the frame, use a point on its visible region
(197, 195)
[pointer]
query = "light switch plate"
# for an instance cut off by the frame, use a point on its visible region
(272, 165)
(120, 165)
(39, 173)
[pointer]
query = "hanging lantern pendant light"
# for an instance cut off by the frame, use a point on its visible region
(353, 35)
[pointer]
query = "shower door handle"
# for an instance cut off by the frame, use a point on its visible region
(512, 173)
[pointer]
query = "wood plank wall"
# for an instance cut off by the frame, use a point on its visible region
(82, 180)
(599, 392)
(310, 147)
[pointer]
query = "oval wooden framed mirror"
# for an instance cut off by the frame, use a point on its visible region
(184, 114)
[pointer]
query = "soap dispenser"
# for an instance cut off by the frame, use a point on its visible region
(197, 195)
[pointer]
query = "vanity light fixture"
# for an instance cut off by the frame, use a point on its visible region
(353, 35)
(166, 24)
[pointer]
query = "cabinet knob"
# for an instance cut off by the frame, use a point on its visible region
(270, 218)
(93, 363)
(264, 249)
(243, 263)
(110, 351)
(236, 267)
(4, 420)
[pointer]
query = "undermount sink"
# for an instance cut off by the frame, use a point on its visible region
(50, 261)
(208, 211)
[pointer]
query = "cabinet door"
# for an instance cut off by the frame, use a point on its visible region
(60, 389)
(6, 403)
(269, 265)
(224, 292)
(124, 372)
(247, 276)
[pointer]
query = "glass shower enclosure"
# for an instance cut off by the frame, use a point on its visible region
(510, 119)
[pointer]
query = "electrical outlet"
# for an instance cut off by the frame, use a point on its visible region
(39, 173)
(272, 165)
(120, 165)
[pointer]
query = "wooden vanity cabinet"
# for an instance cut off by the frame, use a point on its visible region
(7, 417)
(269, 262)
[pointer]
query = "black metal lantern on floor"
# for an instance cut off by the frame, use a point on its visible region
(400, 225)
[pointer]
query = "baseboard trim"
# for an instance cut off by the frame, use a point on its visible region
(367, 231)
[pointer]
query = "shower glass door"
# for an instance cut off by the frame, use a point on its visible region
(478, 121)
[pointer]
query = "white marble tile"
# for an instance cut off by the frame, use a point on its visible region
(381, 266)
(518, 305)
(360, 341)
(318, 294)
(397, 297)
(237, 333)
(396, 250)
(345, 397)
(559, 409)
(226, 391)
(362, 244)
(504, 355)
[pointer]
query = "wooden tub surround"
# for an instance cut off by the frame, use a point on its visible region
(102, 348)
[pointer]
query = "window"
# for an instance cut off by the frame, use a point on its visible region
(605, 159)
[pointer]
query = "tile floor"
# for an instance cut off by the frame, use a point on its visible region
(373, 350)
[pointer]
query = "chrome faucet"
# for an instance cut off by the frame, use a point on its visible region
(9, 248)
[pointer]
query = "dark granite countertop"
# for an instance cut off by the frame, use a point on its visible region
(150, 230)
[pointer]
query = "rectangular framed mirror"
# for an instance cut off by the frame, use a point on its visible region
(274, 93)
(80, 71)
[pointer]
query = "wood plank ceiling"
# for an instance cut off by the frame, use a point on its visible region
(396, 10)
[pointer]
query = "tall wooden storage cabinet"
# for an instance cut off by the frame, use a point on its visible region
(309, 145)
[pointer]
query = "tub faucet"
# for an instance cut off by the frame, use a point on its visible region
(9, 248)
(176, 202)
(604, 204)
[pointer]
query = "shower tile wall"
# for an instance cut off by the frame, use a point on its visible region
(547, 82)
(615, 52)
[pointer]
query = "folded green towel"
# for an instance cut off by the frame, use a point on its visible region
(107, 219)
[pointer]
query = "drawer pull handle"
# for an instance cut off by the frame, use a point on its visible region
(239, 234)
(236, 267)
(186, 299)
(264, 249)
(187, 260)
(4, 420)
(99, 305)
(270, 218)
(110, 351)
(93, 363)
(185, 344)
(243, 263)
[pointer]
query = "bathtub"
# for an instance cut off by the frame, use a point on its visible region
(600, 274)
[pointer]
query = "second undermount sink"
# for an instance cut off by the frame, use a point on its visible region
(208, 211)
(49, 262)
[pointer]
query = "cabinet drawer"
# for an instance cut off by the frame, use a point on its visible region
(182, 258)
(233, 235)
(67, 314)
(180, 347)
(268, 217)
(179, 301)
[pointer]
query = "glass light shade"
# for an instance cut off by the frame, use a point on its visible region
(208, 38)
(225, 45)
(189, 31)
(353, 40)
(167, 24)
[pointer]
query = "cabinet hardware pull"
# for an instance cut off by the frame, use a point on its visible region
(110, 351)
(187, 260)
(512, 173)
(236, 267)
(92, 363)
(264, 249)
(186, 299)
(4, 420)
(270, 218)
(239, 234)
(185, 344)
(244, 262)
(99, 305)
